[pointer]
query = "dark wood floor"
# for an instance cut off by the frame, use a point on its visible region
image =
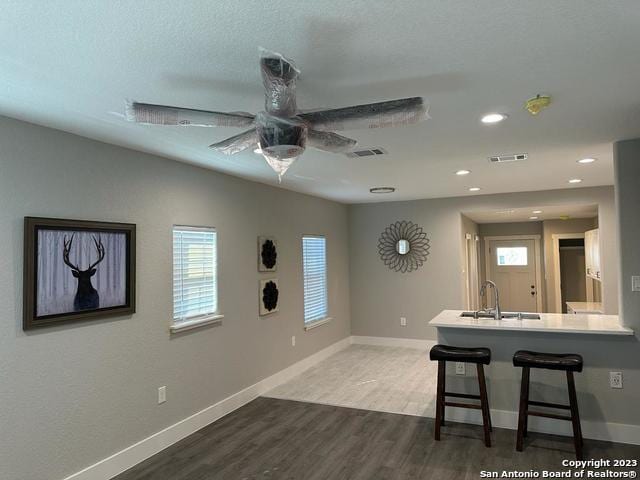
(282, 439)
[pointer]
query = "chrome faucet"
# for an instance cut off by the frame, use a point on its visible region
(497, 314)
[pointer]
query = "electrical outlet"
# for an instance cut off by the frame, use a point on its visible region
(459, 368)
(162, 395)
(293, 341)
(615, 379)
(635, 283)
(403, 321)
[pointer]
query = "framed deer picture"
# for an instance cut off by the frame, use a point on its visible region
(77, 270)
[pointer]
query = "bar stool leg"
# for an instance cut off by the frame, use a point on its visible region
(440, 397)
(522, 414)
(575, 416)
(526, 417)
(484, 405)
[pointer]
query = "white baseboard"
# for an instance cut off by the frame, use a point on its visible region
(611, 432)
(140, 451)
(393, 342)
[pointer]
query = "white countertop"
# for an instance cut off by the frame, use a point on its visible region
(549, 322)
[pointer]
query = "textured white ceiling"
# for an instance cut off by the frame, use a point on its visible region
(70, 64)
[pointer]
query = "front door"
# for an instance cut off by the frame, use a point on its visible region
(513, 268)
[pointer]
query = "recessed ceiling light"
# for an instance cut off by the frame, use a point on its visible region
(463, 172)
(533, 218)
(586, 160)
(537, 211)
(493, 118)
(575, 180)
(474, 189)
(382, 189)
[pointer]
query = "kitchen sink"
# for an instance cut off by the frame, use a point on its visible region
(504, 315)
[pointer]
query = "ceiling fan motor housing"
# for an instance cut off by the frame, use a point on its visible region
(279, 76)
(280, 138)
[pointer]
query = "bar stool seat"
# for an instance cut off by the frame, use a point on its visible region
(480, 356)
(551, 361)
(461, 354)
(569, 363)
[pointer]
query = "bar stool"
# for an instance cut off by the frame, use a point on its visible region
(480, 356)
(569, 362)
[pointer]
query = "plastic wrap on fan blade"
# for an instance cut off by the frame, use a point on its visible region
(148, 113)
(392, 113)
(237, 143)
(279, 76)
(329, 142)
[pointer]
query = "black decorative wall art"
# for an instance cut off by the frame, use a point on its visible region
(403, 246)
(267, 254)
(269, 296)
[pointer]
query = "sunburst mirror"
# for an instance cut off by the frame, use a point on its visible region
(403, 246)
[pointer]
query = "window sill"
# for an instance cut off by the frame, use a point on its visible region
(196, 323)
(317, 323)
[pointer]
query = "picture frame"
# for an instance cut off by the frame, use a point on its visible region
(77, 270)
(267, 254)
(269, 296)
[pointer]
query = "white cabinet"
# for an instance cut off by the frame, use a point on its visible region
(592, 253)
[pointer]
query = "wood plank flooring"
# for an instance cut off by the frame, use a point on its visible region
(283, 439)
(385, 379)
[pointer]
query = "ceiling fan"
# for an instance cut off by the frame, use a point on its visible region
(281, 132)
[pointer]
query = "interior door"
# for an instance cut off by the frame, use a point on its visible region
(513, 269)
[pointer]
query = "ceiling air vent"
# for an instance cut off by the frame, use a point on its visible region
(366, 152)
(515, 157)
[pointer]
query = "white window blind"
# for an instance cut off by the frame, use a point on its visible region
(195, 283)
(314, 253)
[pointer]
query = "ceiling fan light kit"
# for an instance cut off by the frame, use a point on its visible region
(281, 133)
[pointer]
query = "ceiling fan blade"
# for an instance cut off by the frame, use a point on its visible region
(329, 142)
(392, 113)
(237, 143)
(164, 115)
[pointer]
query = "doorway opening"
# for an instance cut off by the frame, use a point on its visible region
(518, 248)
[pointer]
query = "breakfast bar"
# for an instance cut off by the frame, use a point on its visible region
(566, 339)
(548, 323)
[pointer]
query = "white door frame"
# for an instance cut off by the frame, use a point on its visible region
(556, 237)
(537, 255)
(472, 279)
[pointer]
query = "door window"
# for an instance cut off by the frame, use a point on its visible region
(511, 256)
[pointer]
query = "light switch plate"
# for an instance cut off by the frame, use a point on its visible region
(162, 395)
(403, 321)
(459, 368)
(635, 283)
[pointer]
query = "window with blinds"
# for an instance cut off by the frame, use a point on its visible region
(195, 284)
(314, 260)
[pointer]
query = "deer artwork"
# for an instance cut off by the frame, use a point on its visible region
(86, 296)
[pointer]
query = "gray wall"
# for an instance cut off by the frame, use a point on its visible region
(379, 296)
(73, 395)
(627, 175)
